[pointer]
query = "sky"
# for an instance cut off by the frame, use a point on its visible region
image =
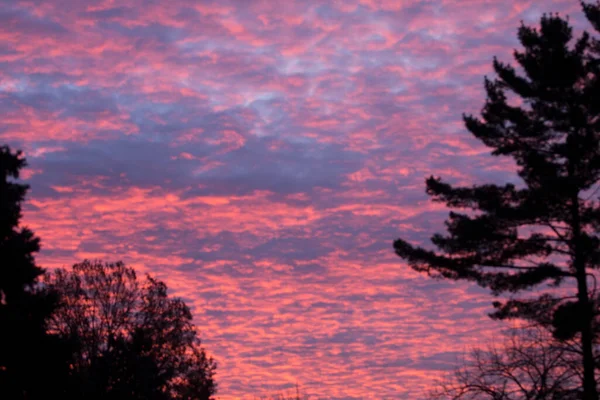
(260, 157)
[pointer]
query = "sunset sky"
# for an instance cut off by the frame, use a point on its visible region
(261, 157)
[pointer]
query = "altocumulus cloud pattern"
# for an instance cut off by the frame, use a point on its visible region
(260, 157)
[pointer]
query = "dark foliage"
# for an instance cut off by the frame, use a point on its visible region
(31, 362)
(540, 234)
(132, 341)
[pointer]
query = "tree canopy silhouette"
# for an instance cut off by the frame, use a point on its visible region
(133, 340)
(29, 358)
(509, 238)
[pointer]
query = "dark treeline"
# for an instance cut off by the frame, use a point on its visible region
(92, 332)
(524, 241)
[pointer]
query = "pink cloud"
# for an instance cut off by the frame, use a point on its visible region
(260, 157)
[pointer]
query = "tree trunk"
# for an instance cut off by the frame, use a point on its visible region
(590, 392)
(589, 379)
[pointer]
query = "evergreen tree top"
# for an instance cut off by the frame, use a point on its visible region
(11, 193)
(545, 114)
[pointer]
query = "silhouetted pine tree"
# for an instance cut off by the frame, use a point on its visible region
(512, 238)
(29, 358)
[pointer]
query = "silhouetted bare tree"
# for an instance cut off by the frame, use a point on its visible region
(296, 394)
(530, 365)
(511, 238)
(133, 340)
